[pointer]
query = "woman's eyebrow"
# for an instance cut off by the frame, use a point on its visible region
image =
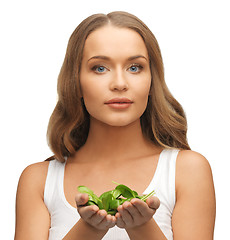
(137, 56)
(108, 58)
(99, 57)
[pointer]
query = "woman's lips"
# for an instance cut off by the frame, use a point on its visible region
(119, 103)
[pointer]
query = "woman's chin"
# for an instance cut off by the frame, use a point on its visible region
(118, 122)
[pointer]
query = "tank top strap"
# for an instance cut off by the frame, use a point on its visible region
(54, 182)
(163, 182)
(166, 175)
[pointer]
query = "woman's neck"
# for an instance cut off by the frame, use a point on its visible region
(106, 142)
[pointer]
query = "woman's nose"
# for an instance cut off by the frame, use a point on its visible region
(119, 82)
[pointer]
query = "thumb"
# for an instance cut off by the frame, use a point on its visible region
(81, 199)
(153, 202)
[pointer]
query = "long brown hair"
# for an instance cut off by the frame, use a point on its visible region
(164, 121)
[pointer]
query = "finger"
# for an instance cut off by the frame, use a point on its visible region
(98, 217)
(111, 219)
(81, 199)
(125, 215)
(153, 202)
(132, 210)
(119, 222)
(108, 222)
(86, 212)
(142, 207)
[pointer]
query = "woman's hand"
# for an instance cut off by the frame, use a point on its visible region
(136, 212)
(92, 215)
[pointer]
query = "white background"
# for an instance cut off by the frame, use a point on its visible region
(194, 37)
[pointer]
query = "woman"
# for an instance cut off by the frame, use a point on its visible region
(115, 119)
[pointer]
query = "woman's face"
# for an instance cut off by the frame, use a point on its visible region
(115, 76)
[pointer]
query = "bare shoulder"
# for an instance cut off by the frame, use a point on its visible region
(32, 216)
(34, 175)
(194, 212)
(38, 167)
(192, 168)
(192, 159)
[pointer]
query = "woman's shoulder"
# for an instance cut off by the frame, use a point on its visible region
(191, 160)
(195, 196)
(34, 176)
(36, 169)
(30, 206)
(192, 169)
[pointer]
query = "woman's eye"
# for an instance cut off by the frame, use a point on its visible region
(135, 68)
(99, 69)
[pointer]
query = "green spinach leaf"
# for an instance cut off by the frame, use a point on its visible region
(111, 200)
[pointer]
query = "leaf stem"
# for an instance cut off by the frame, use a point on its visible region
(115, 182)
(148, 195)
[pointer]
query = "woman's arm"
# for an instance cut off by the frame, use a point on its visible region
(194, 213)
(149, 230)
(32, 216)
(94, 223)
(82, 231)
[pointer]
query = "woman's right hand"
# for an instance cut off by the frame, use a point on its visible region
(93, 215)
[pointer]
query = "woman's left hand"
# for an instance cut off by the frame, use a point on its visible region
(136, 212)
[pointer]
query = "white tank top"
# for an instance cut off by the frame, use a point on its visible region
(64, 216)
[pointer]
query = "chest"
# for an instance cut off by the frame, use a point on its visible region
(136, 174)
